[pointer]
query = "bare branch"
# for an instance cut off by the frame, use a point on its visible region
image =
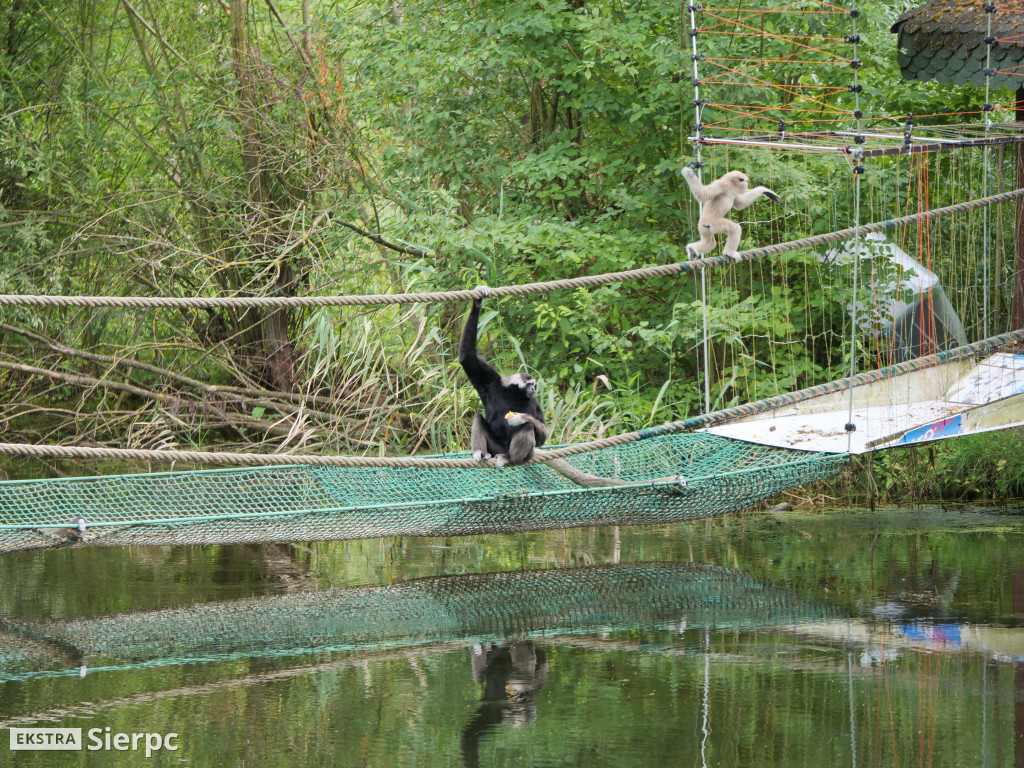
(409, 249)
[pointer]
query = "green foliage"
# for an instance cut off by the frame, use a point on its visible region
(974, 468)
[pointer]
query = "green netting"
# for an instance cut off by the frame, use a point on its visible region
(437, 609)
(303, 503)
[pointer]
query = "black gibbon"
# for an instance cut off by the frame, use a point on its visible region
(719, 197)
(512, 424)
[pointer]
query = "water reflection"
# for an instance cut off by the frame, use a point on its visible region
(749, 642)
(466, 607)
(512, 673)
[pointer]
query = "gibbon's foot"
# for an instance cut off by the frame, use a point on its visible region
(773, 197)
(501, 460)
(733, 256)
(691, 254)
(481, 456)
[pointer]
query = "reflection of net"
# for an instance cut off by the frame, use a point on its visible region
(493, 605)
(316, 503)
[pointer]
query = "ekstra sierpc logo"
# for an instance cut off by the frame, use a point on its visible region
(96, 739)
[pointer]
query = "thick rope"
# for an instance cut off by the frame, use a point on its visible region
(543, 456)
(587, 281)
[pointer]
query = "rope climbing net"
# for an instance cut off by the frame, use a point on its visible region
(677, 477)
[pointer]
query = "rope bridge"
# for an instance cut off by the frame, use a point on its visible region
(676, 477)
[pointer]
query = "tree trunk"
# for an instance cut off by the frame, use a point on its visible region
(267, 335)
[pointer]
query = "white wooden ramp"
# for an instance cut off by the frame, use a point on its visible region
(956, 398)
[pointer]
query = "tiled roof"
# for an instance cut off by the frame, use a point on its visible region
(945, 41)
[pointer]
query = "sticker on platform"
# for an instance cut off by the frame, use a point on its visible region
(933, 431)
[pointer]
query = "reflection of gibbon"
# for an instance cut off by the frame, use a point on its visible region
(719, 197)
(512, 674)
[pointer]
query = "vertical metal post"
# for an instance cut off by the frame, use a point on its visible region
(857, 155)
(987, 109)
(698, 135)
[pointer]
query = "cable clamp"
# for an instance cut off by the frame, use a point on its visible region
(854, 13)
(990, 8)
(698, 56)
(852, 39)
(695, 82)
(855, 88)
(858, 139)
(990, 40)
(695, 31)
(695, 165)
(857, 114)
(988, 71)
(851, 427)
(987, 107)
(855, 64)
(695, 8)
(700, 102)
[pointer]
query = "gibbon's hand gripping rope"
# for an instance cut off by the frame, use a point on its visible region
(157, 302)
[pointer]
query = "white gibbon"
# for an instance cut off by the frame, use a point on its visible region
(719, 197)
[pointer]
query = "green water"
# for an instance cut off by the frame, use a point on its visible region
(888, 638)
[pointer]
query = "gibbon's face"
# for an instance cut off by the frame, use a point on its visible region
(524, 381)
(738, 181)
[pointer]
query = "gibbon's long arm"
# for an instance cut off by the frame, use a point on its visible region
(540, 429)
(479, 371)
(742, 201)
(702, 193)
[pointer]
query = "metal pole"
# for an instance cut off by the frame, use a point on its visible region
(698, 135)
(857, 154)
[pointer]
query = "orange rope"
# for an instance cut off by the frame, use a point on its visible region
(738, 115)
(713, 30)
(713, 80)
(762, 13)
(758, 63)
(783, 60)
(836, 110)
(784, 89)
(760, 33)
(749, 13)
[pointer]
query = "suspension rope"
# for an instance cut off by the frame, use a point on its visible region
(686, 425)
(664, 270)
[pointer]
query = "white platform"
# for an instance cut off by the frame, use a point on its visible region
(944, 401)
